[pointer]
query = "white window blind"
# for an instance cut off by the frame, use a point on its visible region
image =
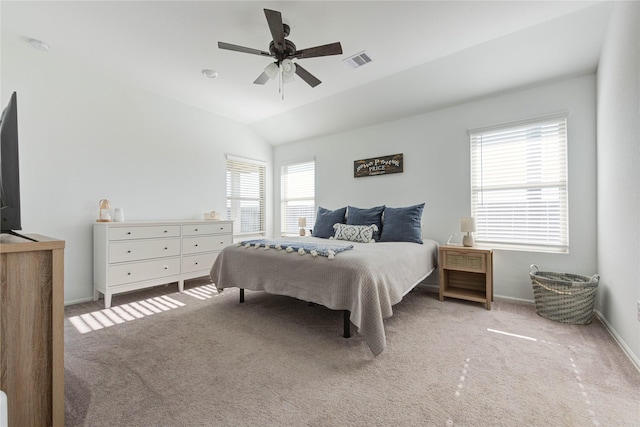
(246, 196)
(298, 196)
(519, 184)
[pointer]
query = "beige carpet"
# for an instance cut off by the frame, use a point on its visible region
(160, 358)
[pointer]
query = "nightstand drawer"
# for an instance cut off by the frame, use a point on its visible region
(465, 261)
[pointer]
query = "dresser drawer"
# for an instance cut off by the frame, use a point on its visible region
(464, 261)
(193, 245)
(144, 232)
(199, 262)
(138, 271)
(210, 228)
(136, 250)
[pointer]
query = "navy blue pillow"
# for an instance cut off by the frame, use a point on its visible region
(357, 216)
(403, 224)
(325, 220)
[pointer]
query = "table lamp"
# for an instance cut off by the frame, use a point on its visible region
(302, 223)
(468, 225)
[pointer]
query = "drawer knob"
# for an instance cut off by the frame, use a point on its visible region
(196, 245)
(166, 249)
(166, 268)
(128, 233)
(128, 274)
(128, 252)
(166, 231)
(222, 242)
(196, 229)
(196, 263)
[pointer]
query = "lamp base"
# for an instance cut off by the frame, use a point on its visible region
(303, 232)
(467, 240)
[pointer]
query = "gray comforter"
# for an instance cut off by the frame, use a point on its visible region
(366, 280)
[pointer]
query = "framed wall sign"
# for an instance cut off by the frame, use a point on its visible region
(382, 165)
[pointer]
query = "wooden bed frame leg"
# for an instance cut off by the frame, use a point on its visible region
(241, 295)
(347, 324)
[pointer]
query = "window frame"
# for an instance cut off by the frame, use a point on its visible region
(531, 213)
(235, 197)
(309, 212)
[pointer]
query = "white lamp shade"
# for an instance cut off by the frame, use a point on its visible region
(468, 224)
(302, 222)
(271, 70)
(288, 70)
(288, 67)
(287, 78)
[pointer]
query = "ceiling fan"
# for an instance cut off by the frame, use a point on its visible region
(285, 53)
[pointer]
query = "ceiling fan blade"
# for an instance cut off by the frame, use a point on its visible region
(274, 19)
(324, 50)
(262, 79)
(307, 76)
(236, 48)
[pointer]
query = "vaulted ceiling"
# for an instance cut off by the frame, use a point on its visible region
(426, 54)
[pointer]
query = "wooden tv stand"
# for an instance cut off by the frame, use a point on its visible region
(32, 329)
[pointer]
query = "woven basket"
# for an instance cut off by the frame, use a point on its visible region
(564, 297)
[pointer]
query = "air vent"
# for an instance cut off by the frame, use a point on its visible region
(357, 60)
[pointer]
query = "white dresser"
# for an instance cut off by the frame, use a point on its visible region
(136, 255)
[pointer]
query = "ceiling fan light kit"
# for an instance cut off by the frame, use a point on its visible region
(288, 67)
(287, 77)
(284, 51)
(271, 70)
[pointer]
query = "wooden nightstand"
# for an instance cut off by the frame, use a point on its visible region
(466, 273)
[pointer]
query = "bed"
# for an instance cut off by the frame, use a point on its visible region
(365, 280)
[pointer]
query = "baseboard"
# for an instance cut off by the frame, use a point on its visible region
(528, 301)
(78, 301)
(623, 345)
(434, 287)
(430, 287)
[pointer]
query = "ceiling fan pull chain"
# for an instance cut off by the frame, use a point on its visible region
(281, 82)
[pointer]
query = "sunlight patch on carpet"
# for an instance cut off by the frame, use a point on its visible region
(202, 292)
(463, 376)
(108, 317)
(583, 392)
(511, 335)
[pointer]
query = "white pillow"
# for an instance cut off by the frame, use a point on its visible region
(355, 233)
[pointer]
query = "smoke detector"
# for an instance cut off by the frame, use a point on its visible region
(212, 74)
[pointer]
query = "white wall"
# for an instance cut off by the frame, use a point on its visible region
(84, 137)
(619, 176)
(437, 171)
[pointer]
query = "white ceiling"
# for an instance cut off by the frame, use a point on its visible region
(426, 54)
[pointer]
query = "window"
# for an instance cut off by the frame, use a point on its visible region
(298, 196)
(519, 184)
(246, 196)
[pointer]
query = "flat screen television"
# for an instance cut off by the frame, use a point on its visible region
(9, 170)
